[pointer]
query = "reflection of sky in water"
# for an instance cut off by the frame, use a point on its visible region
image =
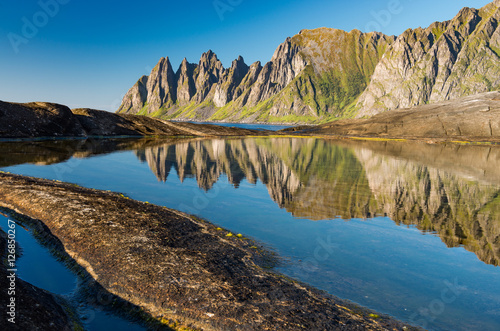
(393, 269)
(38, 267)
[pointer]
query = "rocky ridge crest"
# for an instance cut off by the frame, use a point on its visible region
(306, 78)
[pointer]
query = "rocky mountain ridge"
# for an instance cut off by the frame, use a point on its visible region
(324, 74)
(447, 60)
(306, 78)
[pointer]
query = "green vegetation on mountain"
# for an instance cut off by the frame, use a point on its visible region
(316, 76)
(326, 74)
(447, 60)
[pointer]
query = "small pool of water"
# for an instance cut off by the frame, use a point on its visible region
(39, 267)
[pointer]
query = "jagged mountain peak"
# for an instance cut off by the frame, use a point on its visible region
(165, 60)
(209, 84)
(238, 62)
(160, 85)
(162, 65)
(208, 54)
(256, 64)
(325, 73)
(209, 57)
(185, 66)
(238, 65)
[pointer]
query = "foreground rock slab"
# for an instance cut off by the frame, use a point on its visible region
(181, 270)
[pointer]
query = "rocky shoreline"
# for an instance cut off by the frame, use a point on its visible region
(181, 270)
(50, 120)
(475, 118)
(472, 119)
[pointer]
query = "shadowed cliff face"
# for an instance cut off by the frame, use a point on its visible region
(453, 191)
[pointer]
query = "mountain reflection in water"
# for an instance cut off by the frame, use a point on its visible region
(451, 190)
(448, 189)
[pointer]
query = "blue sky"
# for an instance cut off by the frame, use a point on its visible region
(89, 53)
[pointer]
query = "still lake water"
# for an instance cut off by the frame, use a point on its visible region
(408, 229)
(251, 126)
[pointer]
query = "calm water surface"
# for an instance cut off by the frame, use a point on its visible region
(38, 266)
(270, 127)
(408, 229)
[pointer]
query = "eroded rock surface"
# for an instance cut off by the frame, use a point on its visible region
(38, 119)
(444, 61)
